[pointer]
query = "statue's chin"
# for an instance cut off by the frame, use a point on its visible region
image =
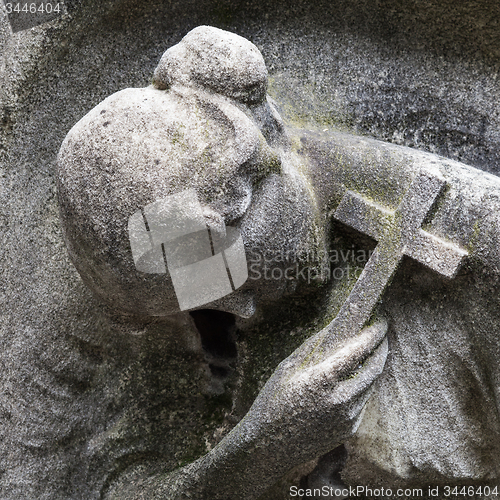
(242, 304)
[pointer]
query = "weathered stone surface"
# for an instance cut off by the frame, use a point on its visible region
(81, 397)
(442, 332)
(199, 145)
(217, 60)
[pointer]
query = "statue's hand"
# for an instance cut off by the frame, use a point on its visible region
(311, 406)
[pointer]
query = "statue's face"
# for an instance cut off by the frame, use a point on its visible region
(276, 228)
(274, 212)
(224, 143)
(108, 173)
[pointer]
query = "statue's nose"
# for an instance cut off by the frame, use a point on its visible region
(215, 223)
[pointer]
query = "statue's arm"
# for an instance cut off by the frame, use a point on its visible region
(303, 411)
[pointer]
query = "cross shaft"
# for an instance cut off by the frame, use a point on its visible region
(398, 233)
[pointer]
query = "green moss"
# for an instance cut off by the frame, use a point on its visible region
(178, 137)
(191, 454)
(302, 108)
(216, 406)
(288, 324)
(474, 238)
(223, 15)
(210, 418)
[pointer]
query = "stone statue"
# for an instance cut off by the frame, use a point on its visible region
(206, 127)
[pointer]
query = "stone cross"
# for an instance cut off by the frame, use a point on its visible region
(398, 233)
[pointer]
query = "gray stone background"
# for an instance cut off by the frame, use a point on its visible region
(418, 73)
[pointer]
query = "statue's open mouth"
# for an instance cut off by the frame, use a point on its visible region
(217, 332)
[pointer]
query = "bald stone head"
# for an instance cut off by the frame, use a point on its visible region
(206, 125)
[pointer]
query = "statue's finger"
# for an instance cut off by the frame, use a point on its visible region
(354, 386)
(345, 358)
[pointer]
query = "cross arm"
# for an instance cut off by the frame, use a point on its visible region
(363, 215)
(435, 253)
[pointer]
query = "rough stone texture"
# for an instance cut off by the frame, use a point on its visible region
(82, 399)
(217, 60)
(398, 234)
(305, 409)
(439, 382)
(400, 231)
(141, 145)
